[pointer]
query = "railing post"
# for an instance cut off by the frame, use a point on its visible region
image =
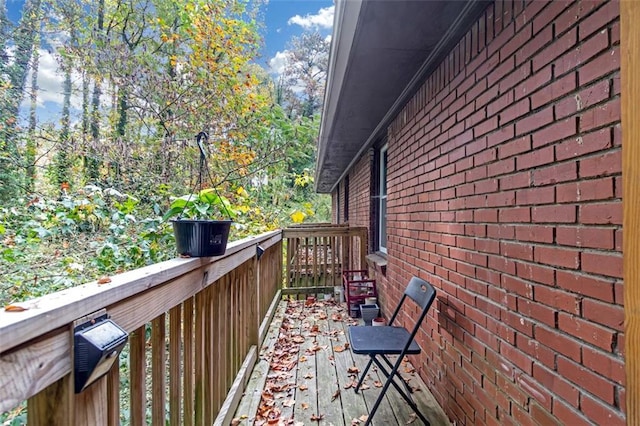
(91, 405)
(54, 406)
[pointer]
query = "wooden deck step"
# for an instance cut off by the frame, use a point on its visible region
(311, 339)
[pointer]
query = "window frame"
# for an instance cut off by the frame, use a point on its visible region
(381, 197)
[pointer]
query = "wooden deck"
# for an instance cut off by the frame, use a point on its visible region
(306, 372)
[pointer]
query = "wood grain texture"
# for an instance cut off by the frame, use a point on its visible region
(91, 405)
(225, 415)
(53, 311)
(113, 394)
(30, 369)
(54, 405)
(175, 365)
(630, 70)
(137, 365)
(188, 364)
(158, 372)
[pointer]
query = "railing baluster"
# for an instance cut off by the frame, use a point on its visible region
(137, 364)
(158, 376)
(200, 358)
(113, 394)
(175, 361)
(188, 364)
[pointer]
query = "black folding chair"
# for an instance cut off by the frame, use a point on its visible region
(378, 342)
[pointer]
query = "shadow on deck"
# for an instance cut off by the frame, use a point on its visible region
(306, 373)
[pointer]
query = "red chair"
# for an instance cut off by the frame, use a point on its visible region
(357, 286)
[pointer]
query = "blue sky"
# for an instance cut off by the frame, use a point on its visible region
(283, 19)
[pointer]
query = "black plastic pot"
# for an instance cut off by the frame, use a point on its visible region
(201, 238)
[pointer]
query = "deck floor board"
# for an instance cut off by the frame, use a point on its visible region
(317, 383)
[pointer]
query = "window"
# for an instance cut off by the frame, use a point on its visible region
(382, 200)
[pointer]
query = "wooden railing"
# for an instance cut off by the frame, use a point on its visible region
(318, 253)
(194, 328)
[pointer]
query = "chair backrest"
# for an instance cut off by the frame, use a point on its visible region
(422, 293)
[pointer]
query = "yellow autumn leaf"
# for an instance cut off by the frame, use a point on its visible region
(298, 216)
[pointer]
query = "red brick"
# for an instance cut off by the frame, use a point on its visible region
(518, 358)
(557, 256)
(601, 213)
(579, 236)
(582, 53)
(514, 147)
(513, 320)
(539, 195)
(553, 174)
(568, 415)
(586, 379)
(501, 167)
(600, 115)
(559, 130)
(557, 88)
(591, 333)
(517, 286)
(535, 350)
(557, 298)
(537, 120)
(534, 272)
(602, 414)
(604, 313)
(605, 364)
(533, 83)
(586, 190)
(537, 312)
(539, 234)
(572, 15)
(557, 48)
(517, 180)
(565, 213)
(535, 158)
(516, 214)
(541, 415)
(582, 100)
(600, 289)
(606, 63)
(516, 250)
(601, 165)
(584, 144)
(556, 384)
(503, 134)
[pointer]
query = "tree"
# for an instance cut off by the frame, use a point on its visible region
(305, 73)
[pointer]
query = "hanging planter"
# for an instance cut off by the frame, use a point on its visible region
(196, 234)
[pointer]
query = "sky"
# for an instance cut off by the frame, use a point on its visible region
(283, 19)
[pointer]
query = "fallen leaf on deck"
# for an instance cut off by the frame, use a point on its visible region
(244, 416)
(317, 418)
(14, 308)
(377, 384)
(363, 418)
(355, 422)
(346, 345)
(305, 406)
(315, 328)
(338, 348)
(412, 418)
(289, 403)
(303, 387)
(364, 386)
(335, 395)
(104, 280)
(353, 370)
(308, 376)
(235, 422)
(303, 359)
(322, 316)
(336, 317)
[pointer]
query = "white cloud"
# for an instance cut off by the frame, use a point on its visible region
(278, 62)
(322, 20)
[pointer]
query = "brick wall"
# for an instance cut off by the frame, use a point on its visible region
(505, 193)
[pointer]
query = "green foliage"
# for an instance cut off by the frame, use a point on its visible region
(51, 244)
(207, 204)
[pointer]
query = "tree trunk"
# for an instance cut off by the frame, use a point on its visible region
(30, 154)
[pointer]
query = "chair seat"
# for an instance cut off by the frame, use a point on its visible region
(380, 340)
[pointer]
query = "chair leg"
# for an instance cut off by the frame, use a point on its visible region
(389, 381)
(364, 373)
(406, 385)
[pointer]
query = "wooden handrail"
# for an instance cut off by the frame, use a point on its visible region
(229, 295)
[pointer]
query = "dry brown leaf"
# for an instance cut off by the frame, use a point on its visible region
(355, 422)
(353, 370)
(363, 418)
(336, 317)
(303, 387)
(377, 384)
(315, 328)
(303, 359)
(338, 348)
(104, 280)
(289, 403)
(335, 395)
(15, 308)
(346, 345)
(364, 386)
(305, 406)
(412, 418)
(317, 418)
(235, 421)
